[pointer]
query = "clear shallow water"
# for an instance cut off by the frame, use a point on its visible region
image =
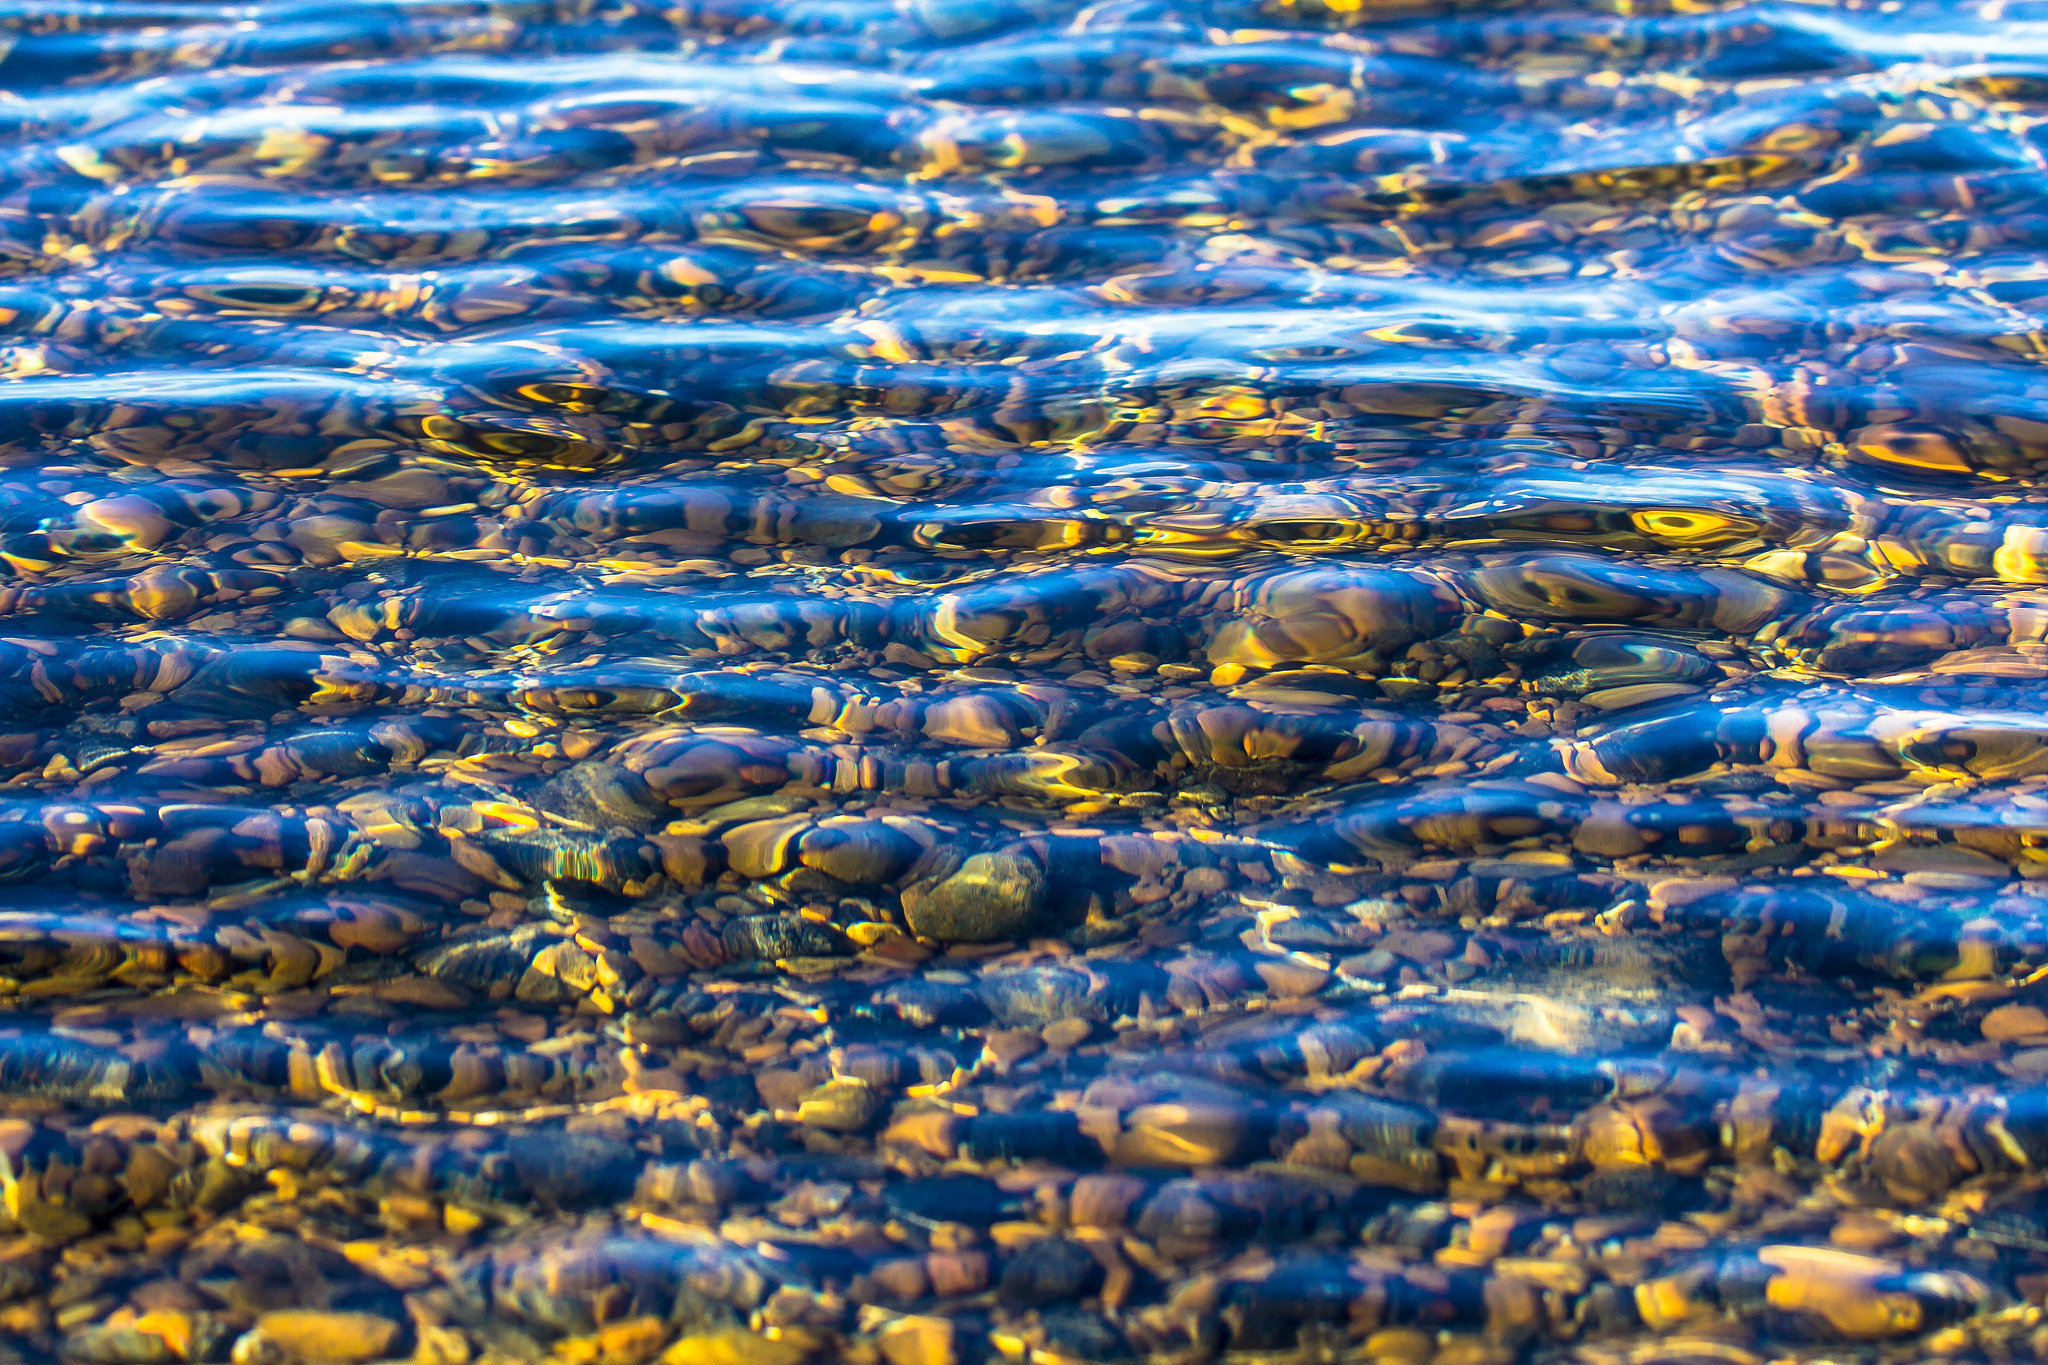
(958, 682)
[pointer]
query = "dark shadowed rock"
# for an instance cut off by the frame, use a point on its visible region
(1052, 1271)
(603, 796)
(573, 1170)
(767, 938)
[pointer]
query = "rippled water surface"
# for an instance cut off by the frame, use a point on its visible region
(779, 682)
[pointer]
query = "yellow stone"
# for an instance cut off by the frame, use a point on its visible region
(632, 1341)
(441, 1346)
(918, 1341)
(400, 1267)
(1409, 1345)
(843, 1104)
(175, 1330)
(1472, 1350)
(936, 1131)
(2015, 1021)
(1663, 1303)
(1898, 447)
(316, 1334)
(733, 1346)
(1566, 1277)
(1840, 1287)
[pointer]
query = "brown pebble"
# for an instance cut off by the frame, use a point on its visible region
(2015, 1021)
(957, 1272)
(903, 1279)
(841, 1105)
(1291, 978)
(422, 992)
(1421, 947)
(1007, 1047)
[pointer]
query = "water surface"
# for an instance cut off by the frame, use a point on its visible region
(958, 682)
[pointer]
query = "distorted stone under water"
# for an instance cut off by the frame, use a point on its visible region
(952, 682)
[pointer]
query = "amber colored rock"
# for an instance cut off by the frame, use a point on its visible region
(319, 1335)
(1843, 1289)
(173, 1326)
(1408, 1345)
(390, 1264)
(1473, 1350)
(1514, 1306)
(733, 1346)
(2015, 1021)
(1606, 833)
(914, 1341)
(842, 1105)
(375, 928)
(631, 1342)
(1864, 1232)
(1664, 1302)
(902, 1279)
(1633, 1134)
(936, 1131)
(1913, 1162)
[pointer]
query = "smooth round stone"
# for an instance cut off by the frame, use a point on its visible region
(993, 896)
